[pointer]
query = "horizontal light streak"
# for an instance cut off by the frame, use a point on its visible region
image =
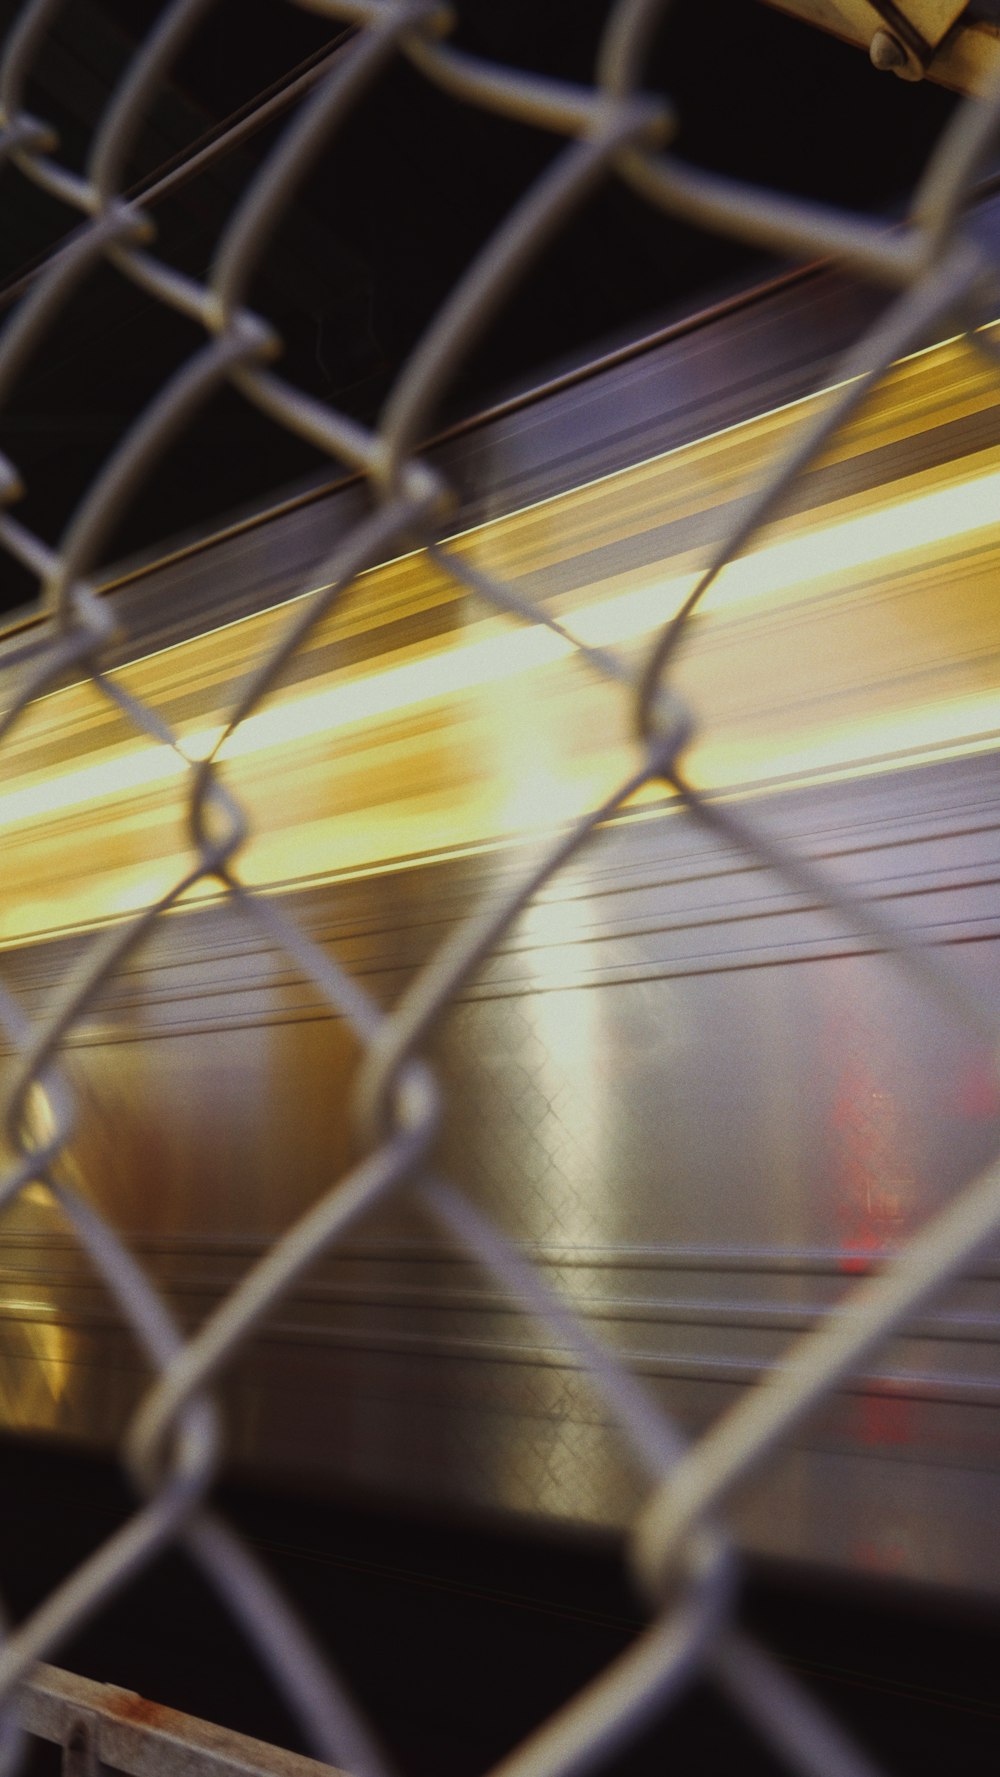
(857, 543)
(128, 771)
(868, 541)
(356, 809)
(946, 729)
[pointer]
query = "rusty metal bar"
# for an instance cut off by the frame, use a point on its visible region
(102, 1727)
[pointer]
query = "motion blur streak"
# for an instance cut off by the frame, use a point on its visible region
(853, 585)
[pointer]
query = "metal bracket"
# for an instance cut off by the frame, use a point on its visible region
(946, 40)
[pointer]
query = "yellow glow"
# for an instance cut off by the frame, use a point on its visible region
(858, 637)
(128, 770)
(953, 726)
(860, 542)
(37, 1194)
(941, 517)
(870, 540)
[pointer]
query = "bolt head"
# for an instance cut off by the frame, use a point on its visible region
(890, 56)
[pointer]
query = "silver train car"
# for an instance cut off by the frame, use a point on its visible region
(700, 1102)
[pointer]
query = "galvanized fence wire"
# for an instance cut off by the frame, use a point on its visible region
(611, 130)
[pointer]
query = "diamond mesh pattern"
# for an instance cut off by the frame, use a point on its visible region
(610, 130)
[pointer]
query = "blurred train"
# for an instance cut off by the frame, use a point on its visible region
(701, 1103)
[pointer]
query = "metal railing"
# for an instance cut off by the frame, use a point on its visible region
(611, 130)
(101, 1727)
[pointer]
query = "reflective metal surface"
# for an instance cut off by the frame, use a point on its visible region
(694, 1212)
(696, 1099)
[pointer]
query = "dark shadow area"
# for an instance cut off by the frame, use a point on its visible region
(394, 212)
(458, 1639)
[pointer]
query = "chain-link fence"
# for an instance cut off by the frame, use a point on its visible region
(612, 130)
